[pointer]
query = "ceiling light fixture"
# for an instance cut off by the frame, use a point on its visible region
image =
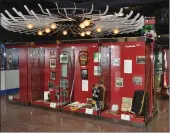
(47, 30)
(86, 22)
(40, 33)
(98, 30)
(88, 33)
(82, 34)
(82, 26)
(64, 32)
(116, 31)
(53, 26)
(30, 26)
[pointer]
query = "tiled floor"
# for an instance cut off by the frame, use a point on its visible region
(18, 118)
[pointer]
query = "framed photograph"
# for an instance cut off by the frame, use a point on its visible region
(63, 83)
(52, 63)
(52, 75)
(64, 93)
(84, 73)
(119, 82)
(50, 85)
(140, 59)
(116, 62)
(96, 57)
(97, 70)
(137, 80)
(52, 53)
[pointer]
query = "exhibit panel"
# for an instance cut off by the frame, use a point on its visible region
(85, 75)
(131, 81)
(15, 73)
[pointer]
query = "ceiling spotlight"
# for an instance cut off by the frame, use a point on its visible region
(82, 26)
(47, 30)
(64, 32)
(82, 34)
(98, 30)
(88, 32)
(30, 26)
(116, 31)
(53, 26)
(40, 33)
(86, 22)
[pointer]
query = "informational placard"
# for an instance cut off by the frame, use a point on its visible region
(46, 95)
(53, 105)
(64, 70)
(125, 117)
(97, 57)
(89, 111)
(85, 85)
(119, 82)
(97, 70)
(127, 66)
(10, 97)
(126, 104)
(116, 62)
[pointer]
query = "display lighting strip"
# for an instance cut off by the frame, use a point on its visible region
(79, 22)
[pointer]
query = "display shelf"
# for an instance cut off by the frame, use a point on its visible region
(80, 110)
(132, 117)
(46, 104)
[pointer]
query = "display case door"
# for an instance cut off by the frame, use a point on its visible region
(35, 73)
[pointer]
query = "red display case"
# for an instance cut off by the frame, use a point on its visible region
(58, 75)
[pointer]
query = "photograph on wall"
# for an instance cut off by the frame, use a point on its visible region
(64, 93)
(50, 85)
(63, 58)
(84, 73)
(53, 75)
(116, 62)
(119, 82)
(137, 80)
(63, 83)
(53, 63)
(140, 59)
(64, 70)
(97, 57)
(97, 70)
(52, 53)
(126, 104)
(2, 56)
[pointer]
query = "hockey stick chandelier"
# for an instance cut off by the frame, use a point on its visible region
(77, 21)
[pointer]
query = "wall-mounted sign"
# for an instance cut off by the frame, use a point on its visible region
(116, 62)
(83, 58)
(119, 82)
(127, 66)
